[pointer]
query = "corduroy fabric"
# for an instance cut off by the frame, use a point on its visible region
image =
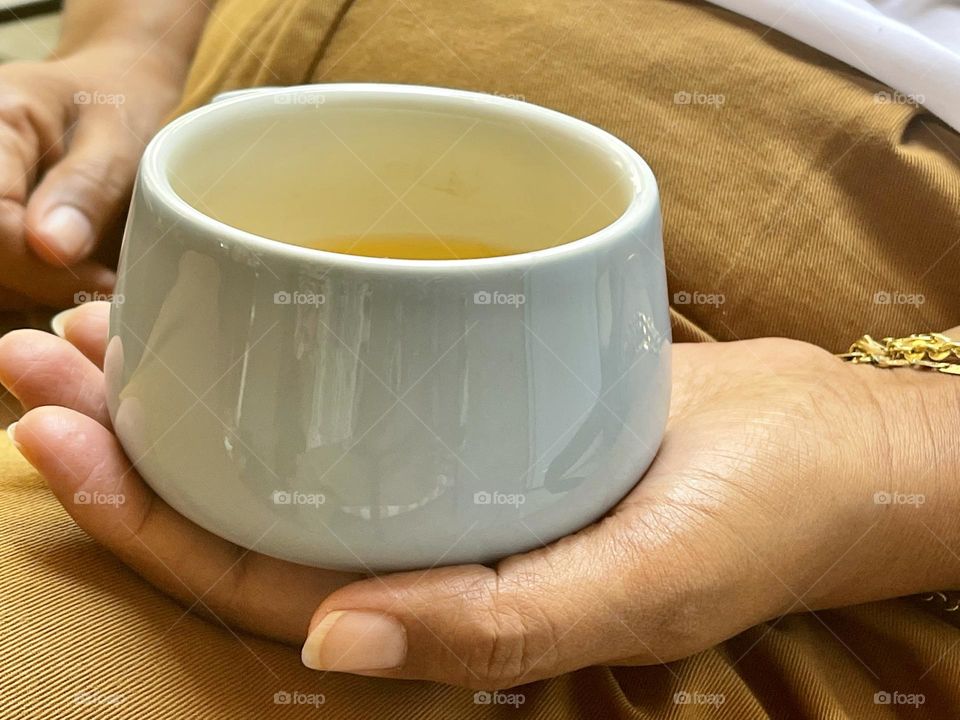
(802, 198)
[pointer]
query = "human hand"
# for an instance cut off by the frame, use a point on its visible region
(66, 435)
(72, 130)
(762, 501)
(787, 481)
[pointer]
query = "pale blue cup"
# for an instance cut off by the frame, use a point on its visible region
(378, 414)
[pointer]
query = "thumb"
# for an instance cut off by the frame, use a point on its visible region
(85, 191)
(536, 615)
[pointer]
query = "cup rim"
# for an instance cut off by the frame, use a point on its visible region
(154, 178)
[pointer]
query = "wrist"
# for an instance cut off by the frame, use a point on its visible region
(900, 465)
(928, 430)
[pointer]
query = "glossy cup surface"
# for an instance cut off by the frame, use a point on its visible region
(380, 414)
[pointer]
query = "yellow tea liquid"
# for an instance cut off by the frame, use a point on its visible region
(413, 246)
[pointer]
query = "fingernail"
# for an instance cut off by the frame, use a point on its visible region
(12, 434)
(58, 322)
(67, 229)
(354, 641)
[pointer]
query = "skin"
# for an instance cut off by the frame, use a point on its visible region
(761, 502)
(72, 129)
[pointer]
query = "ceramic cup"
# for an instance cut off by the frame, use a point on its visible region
(378, 414)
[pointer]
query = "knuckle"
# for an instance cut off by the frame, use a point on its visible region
(14, 107)
(501, 655)
(508, 642)
(101, 177)
(17, 134)
(29, 122)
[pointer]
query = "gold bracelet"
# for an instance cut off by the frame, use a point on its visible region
(926, 350)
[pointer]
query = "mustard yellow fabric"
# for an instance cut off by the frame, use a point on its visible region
(801, 198)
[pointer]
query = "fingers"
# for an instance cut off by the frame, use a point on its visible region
(86, 190)
(33, 129)
(41, 369)
(90, 475)
(554, 610)
(17, 147)
(85, 327)
(28, 142)
(23, 273)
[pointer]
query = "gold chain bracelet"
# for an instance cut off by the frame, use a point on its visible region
(926, 350)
